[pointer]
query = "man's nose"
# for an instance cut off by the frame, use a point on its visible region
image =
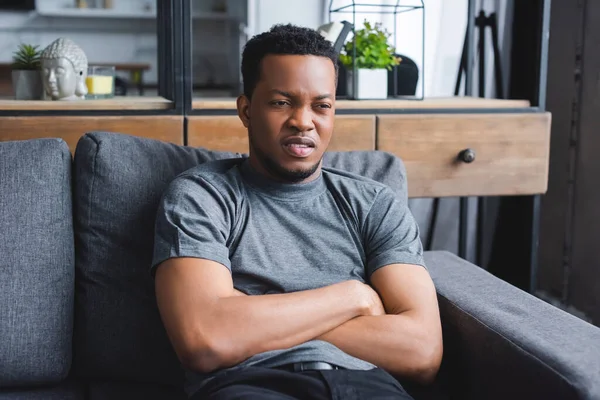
(52, 77)
(302, 119)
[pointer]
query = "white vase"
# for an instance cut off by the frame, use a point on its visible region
(27, 84)
(369, 84)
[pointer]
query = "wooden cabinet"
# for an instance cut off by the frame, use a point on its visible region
(222, 133)
(70, 129)
(511, 148)
(353, 132)
(511, 152)
(226, 133)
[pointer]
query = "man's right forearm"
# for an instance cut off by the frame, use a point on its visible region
(247, 325)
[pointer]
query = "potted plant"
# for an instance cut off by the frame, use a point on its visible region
(26, 75)
(374, 57)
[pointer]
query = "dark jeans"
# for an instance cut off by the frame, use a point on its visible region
(267, 384)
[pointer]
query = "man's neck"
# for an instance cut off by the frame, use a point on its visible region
(258, 166)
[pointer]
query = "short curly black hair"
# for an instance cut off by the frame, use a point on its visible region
(282, 39)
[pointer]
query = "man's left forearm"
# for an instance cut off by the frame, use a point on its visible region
(396, 343)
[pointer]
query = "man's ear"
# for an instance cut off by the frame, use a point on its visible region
(243, 108)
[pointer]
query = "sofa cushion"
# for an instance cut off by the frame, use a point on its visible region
(119, 180)
(36, 262)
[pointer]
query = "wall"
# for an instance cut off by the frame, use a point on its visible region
(103, 39)
(569, 268)
(266, 13)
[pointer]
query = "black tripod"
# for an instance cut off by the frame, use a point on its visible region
(481, 22)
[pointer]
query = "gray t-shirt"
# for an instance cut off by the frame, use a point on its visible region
(279, 238)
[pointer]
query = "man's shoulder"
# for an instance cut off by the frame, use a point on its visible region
(359, 192)
(353, 182)
(214, 167)
(218, 174)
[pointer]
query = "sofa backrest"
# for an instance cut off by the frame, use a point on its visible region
(36, 262)
(119, 180)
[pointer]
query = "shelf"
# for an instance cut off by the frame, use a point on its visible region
(111, 13)
(159, 103)
(430, 103)
(95, 13)
(117, 103)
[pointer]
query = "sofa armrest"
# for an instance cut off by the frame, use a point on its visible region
(501, 342)
(36, 263)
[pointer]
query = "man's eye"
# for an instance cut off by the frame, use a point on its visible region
(324, 106)
(280, 103)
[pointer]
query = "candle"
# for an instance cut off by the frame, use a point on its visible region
(100, 82)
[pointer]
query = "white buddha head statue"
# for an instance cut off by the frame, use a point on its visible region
(64, 70)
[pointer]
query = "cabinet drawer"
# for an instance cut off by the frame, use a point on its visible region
(511, 152)
(226, 133)
(70, 129)
(220, 133)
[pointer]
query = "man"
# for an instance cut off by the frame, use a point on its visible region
(279, 279)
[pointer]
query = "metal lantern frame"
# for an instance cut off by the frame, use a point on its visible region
(400, 7)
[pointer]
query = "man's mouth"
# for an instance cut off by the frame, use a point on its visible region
(299, 147)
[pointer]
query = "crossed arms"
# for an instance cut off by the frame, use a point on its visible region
(394, 324)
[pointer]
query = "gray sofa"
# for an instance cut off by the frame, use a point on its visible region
(78, 318)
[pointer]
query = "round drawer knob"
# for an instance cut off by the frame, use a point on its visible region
(467, 156)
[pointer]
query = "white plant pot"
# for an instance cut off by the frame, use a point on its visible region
(369, 84)
(27, 85)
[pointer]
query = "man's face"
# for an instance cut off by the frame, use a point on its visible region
(290, 117)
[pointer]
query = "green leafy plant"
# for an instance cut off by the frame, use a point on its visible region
(27, 57)
(372, 49)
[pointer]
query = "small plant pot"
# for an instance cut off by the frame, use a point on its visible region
(369, 84)
(27, 84)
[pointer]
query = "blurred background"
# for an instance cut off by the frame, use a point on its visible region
(123, 33)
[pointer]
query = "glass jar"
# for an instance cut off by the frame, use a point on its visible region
(100, 82)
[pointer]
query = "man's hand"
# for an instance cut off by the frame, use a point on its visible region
(375, 307)
(408, 341)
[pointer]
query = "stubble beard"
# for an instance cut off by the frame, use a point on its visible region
(278, 171)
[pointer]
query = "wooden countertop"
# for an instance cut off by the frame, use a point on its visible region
(430, 103)
(118, 66)
(117, 103)
(159, 103)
